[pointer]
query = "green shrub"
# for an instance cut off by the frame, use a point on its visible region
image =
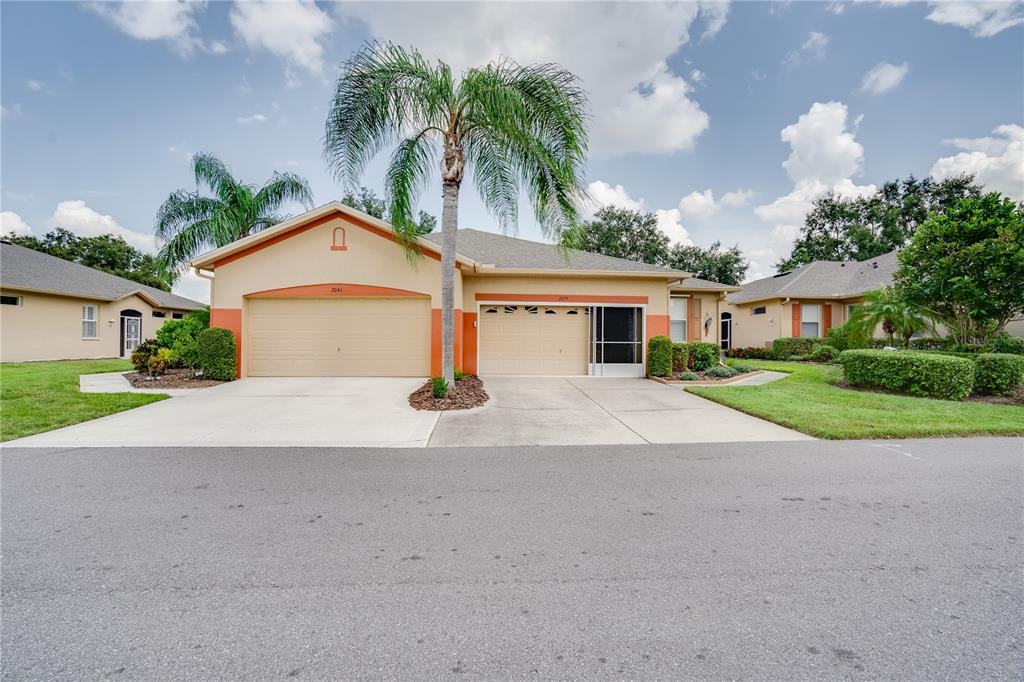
(742, 367)
(704, 355)
(159, 362)
(680, 357)
(142, 353)
(460, 375)
(216, 353)
(751, 353)
(689, 376)
(799, 345)
(1004, 343)
(845, 337)
(439, 387)
(202, 316)
(922, 374)
(659, 356)
(721, 372)
(998, 373)
(181, 337)
(824, 353)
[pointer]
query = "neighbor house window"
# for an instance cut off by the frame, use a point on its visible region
(810, 319)
(677, 309)
(177, 316)
(159, 313)
(850, 308)
(10, 300)
(759, 310)
(88, 322)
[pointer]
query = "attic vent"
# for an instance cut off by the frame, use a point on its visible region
(782, 274)
(875, 265)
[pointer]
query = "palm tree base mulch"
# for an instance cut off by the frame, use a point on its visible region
(172, 378)
(466, 393)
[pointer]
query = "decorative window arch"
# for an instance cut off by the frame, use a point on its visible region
(338, 240)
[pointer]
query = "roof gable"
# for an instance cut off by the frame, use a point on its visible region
(823, 279)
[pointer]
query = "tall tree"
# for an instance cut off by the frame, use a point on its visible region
(838, 228)
(623, 233)
(517, 126)
(106, 252)
(727, 266)
(367, 201)
(190, 222)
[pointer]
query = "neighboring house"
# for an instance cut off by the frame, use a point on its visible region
(53, 309)
(332, 292)
(806, 301)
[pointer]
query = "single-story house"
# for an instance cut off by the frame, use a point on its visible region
(53, 309)
(332, 292)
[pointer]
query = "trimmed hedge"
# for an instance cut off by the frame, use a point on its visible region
(700, 356)
(750, 353)
(824, 353)
(998, 373)
(680, 357)
(844, 337)
(796, 345)
(659, 356)
(921, 374)
(216, 353)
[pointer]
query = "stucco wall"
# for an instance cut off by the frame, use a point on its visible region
(655, 290)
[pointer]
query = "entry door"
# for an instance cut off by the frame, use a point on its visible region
(617, 347)
(132, 334)
(726, 336)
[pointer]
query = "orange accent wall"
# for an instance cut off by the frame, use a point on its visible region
(657, 325)
(826, 317)
(231, 319)
(435, 341)
(469, 342)
(562, 298)
(336, 290)
(796, 320)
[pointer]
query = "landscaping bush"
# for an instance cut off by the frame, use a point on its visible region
(659, 356)
(824, 353)
(460, 375)
(689, 376)
(845, 337)
(439, 387)
(1004, 343)
(180, 336)
(159, 362)
(680, 357)
(998, 373)
(215, 349)
(142, 353)
(800, 345)
(721, 372)
(704, 355)
(921, 374)
(742, 367)
(750, 353)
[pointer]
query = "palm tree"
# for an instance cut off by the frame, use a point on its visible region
(896, 316)
(517, 126)
(189, 222)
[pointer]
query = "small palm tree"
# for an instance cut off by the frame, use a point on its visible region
(189, 222)
(517, 126)
(896, 316)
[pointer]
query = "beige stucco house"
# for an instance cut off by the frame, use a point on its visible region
(53, 309)
(332, 293)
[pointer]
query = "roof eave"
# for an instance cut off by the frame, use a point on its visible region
(567, 272)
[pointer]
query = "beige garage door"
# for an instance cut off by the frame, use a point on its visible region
(338, 337)
(518, 339)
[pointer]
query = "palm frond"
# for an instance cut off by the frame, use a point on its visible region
(280, 189)
(181, 209)
(210, 172)
(411, 166)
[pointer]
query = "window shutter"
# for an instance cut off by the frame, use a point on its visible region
(796, 319)
(826, 318)
(694, 325)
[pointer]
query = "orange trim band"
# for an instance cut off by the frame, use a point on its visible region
(657, 325)
(335, 290)
(561, 298)
(230, 319)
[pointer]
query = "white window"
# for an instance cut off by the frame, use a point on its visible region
(10, 300)
(810, 319)
(677, 309)
(88, 322)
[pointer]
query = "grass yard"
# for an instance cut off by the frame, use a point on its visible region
(42, 396)
(808, 401)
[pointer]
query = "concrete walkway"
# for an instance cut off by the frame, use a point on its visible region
(115, 382)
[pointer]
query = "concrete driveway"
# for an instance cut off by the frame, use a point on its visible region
(375, 412)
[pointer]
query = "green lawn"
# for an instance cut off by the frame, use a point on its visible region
(808, 401)
(42, 396)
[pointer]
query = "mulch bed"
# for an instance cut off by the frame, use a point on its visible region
(1017, 400)
(705, 378)
(467, 393)
(172, 378)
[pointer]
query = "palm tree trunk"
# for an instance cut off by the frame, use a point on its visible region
(449, 226)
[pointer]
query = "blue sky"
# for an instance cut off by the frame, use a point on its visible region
(724, 119)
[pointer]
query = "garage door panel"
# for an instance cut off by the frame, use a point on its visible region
(339, 337)
(516, 339)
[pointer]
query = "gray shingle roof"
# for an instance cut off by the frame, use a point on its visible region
(698, 284)
(521, 254)
(823, 279)
(23, 268)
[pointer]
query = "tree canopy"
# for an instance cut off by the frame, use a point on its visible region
(106, 252)
(714, 263)
(838, 228)
(367, 201)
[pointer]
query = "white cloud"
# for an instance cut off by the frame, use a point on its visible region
(217, 47)
(982, 18)
(715, 14)
(884, 77)
(170, 20)
(12, 222)
(997, 161)
(698, 206)
(13, 111)
(292, 29)
(813, 48)
(255, 118)
(740, 197)
(84, 221)
(639, 105)
(669, 220)
(37, 86)
(836, 7)
(191, 285)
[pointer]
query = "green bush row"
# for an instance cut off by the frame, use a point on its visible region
(750, 353)
(699, 356)
(998, 373)
(216, 354)
(921, 374)
(795, 345)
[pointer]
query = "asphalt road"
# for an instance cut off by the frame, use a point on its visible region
(823, 560)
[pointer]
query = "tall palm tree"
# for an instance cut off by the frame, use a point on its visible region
(896, 316)
(189, 222)
(517, 126)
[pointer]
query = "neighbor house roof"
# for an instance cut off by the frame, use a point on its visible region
(698, 284)
(23, 268)
(511, 253)
(823, 279)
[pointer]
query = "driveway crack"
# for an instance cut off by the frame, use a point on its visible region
(602, 407)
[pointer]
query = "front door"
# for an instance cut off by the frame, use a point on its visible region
(132, 334)
(726, 335)
(616, 341)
